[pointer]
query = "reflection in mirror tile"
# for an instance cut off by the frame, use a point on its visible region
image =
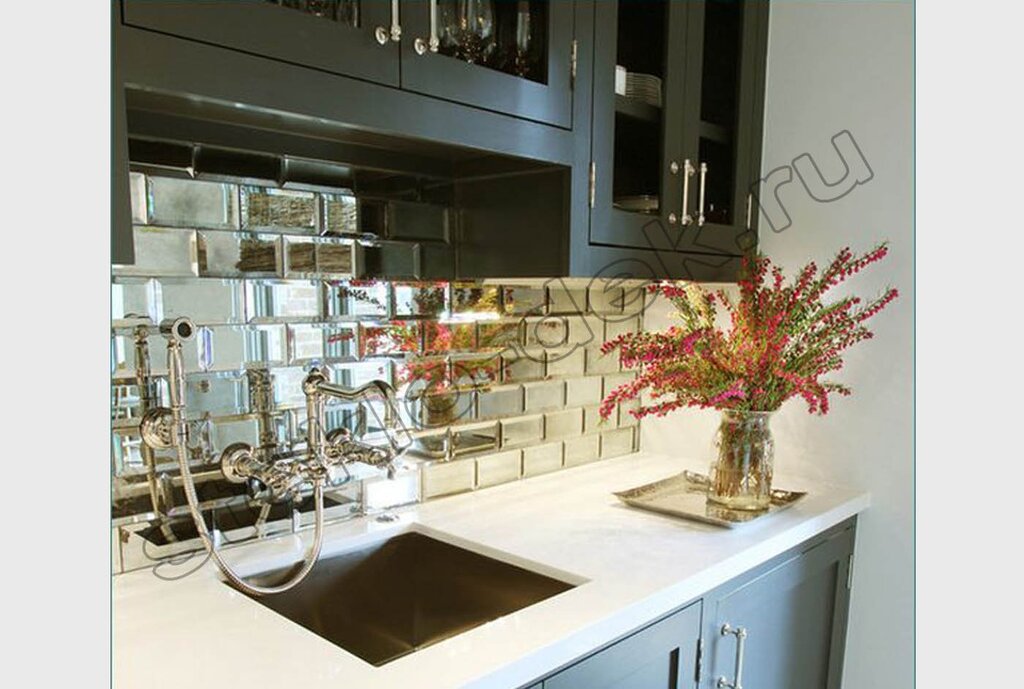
(190, 203)
(265, 344)
(238, 254)
(340, 341)
(204, 300)
(339, 214)
(522, 300)
(137, 184)
(283, 210)
(305, 343)
(133, 298)
(216, 394)
(161, 251)
(420, 299)
(357, 298)
(280, 300)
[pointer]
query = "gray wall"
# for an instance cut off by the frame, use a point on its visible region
(835, 66)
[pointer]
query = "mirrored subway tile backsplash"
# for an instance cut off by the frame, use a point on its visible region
(498, 380)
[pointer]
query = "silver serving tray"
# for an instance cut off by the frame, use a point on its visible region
(685, 495)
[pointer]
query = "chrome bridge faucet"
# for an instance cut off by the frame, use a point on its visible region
(326, 450)
(283, 474)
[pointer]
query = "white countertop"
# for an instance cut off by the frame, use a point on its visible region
(198, 632)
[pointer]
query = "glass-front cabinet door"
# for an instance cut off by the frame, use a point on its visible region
(637, 167)
(357, 38)
(678, 97)
(723, 121)
(511, 56)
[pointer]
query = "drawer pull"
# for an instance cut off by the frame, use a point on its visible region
(741, 637)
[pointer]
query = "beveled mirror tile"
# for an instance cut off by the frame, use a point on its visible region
(598, 363)
(300, 258)
(125, 453)
(389, 339)
(585, 330)
(447, 478)
(161, 251)
(499, 401)
(221, 347)
(227, 432)
(190, 203)
(471, 297)
(441, 337)
(541, 459)
(340, 341)
(361, 373)
(498, 468)
(563, 424)
(544, 395)
(334, 258)
(527, 364)
(435, 411)
(216, 394)
(268, 301)
(614, 380)
(305, 343)
(339, 214)
(565, 363)
(474, 438)
(592, 421)
(287, 384)
(625, 417)
(522, 431)
(566, 300)
(265, 344)
(420, 299)
(583, 391)
(616, 443)
(606, 297)
(282, 210)
(636, 299)
(133, 298)
(499, 335)
(581, 450)
(137, 191)
(204, 300)
(237, 254)
(546, 331)
(615, 328)
(476, 371)
(357, 298)
(521, 300)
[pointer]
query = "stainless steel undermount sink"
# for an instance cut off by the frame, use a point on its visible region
(395, 597)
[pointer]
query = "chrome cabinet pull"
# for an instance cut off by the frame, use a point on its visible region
(688, 172)
(741, 637)
(395, 34)
(433, 43)
(700, 202)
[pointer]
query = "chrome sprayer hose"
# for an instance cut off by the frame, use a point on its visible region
(178, 331)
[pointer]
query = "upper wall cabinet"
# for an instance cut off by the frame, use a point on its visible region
(678, 97)
(512, 56)
(348, 37)
(515, 57)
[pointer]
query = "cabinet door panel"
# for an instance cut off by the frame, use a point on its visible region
(534, 83)
(336, 36)
(725, 69)
(637, 146)
(661, 656)
(794, 617)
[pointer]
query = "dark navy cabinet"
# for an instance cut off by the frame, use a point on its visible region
(675, 157)
(514, 102)
(780, 626)
(792, 620)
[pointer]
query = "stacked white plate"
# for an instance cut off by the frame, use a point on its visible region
(644, 87)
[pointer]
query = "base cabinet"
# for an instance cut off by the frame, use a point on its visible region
(662, 656)
(784, 628)
(780, 626)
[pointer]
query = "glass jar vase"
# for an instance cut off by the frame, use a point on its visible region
(743, 452)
